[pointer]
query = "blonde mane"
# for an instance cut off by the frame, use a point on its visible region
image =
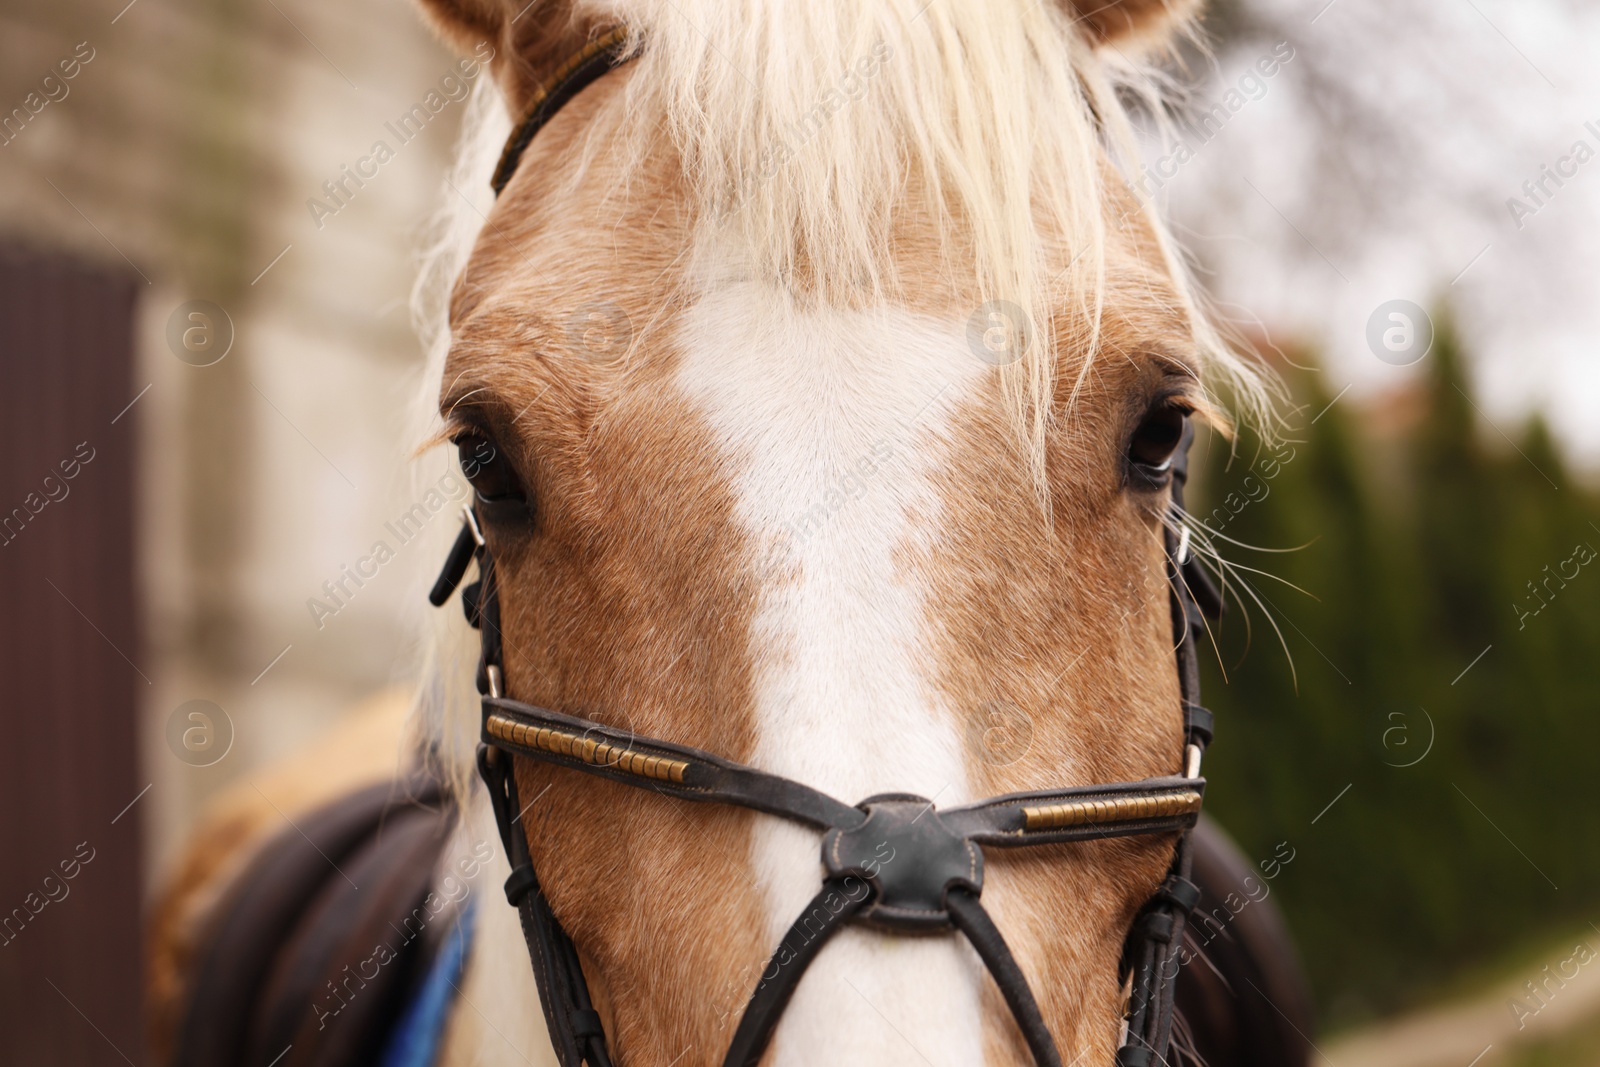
(805, 127)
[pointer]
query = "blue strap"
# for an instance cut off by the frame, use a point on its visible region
(415, 1039)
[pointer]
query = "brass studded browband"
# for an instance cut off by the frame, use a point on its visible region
(935, 878)
(514, 734)
(1119, 809)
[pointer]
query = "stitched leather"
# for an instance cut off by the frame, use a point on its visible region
(909, 857)
(972, 920)
(598, 57)
(838, 901)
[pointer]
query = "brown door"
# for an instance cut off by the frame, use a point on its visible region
(71, 666)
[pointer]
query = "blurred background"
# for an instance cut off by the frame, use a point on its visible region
(204, 395)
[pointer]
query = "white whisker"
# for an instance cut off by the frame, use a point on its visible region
(1206, 554)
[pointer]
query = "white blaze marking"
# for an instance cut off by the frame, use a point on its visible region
(833, 423)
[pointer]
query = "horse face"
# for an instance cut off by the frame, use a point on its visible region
(801, 533)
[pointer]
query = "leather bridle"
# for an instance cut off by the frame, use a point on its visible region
(931, 879)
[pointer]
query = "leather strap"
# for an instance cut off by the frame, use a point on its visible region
(829, 911)
(1159, 805)
(820, 920)
(1151, 959)
(595, 59)
(972, 920)
(1149, 955)
(573, 1025)
(607, 753)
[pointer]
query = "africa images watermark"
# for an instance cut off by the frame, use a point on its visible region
(451, 892)
(1252, 488)
(55, 890)
(1537, 189)
(404, 528)
(850, 484)
(1549, 985)
(1215, 920)
(341, 589)
(341, 190)
(53, 89)
(1582, 555)
(199, 733)
(1251, 86)
(55, 491)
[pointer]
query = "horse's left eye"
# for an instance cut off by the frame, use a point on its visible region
(1151, 448)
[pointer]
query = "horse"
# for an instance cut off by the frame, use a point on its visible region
(824, 387)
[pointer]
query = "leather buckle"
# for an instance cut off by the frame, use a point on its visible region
(910, 857)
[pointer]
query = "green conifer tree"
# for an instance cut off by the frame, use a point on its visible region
(1442, 671)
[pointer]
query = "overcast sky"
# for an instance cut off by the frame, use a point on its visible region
(1377, 164)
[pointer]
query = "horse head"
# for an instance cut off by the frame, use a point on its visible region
(819, 378)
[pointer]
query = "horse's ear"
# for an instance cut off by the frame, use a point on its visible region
(521, 42)
(464, 24)
(1141, 24)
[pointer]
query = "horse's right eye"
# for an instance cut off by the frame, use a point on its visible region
(1155, 442)
(490, 473)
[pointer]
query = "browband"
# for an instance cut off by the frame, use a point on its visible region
(932, 879)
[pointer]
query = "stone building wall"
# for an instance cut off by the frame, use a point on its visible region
(184, 150)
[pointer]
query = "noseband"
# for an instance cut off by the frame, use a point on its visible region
(893, 862)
